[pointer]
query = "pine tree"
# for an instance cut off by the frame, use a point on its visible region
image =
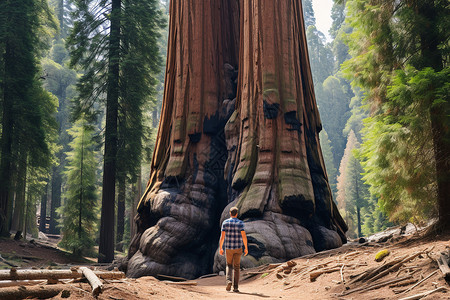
(79, 213)
(399, 50)
(60, 81)
(342, 177)
(26, 108)
(356, 192)
(108, 41)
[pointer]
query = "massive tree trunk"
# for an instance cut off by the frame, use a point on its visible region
(266, 160)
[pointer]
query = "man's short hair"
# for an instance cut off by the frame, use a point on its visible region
(234, 211)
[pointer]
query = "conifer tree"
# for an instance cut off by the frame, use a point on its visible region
(110, 38)
(79, 213)
(356, 193)
(342, 177)
(399, 52)
(25, 107)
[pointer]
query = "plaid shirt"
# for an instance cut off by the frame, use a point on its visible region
(233, 237)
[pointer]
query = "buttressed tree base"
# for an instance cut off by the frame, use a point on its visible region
(239, 127)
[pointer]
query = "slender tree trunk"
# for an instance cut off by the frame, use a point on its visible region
(106, 246)
(80, 223)
(43, 212)
(20, 201)
(120, 213)
(358, 207)
(136, 194)
(55, 200)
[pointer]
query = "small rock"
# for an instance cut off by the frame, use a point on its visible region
(221, 273)
(65, 294)
(327, 288)
(291, 263)
(287, 271)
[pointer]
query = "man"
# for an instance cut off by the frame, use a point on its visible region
(233, 234)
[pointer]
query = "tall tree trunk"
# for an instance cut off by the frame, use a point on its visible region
(43, 213)
(136, 195)
(106, 246)
(120, 213)
(439, 112)
(9, 59)
(271, 159)
(55, 199)
(18, 220)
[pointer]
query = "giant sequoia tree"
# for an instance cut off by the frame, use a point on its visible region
(239, 126)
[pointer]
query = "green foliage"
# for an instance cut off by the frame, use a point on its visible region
(399, 54)
(334, 111)
(79, 213)
(398, 153)
(327, 151)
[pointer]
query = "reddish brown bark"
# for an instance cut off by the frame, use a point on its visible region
(274, 167)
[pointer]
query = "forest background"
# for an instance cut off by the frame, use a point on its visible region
(81, 85)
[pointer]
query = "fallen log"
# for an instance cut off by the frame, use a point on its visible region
(40, 292)
(28, 274)
(421, 295)
(94, 281)
(9, 283)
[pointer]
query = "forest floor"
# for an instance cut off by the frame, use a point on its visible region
(335, 270)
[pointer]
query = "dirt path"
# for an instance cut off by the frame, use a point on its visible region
(295, 283)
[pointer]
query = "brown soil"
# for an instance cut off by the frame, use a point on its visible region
(271, 284)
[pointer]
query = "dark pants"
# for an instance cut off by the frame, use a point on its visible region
(233, 263)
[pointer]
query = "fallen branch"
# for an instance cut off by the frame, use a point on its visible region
(40, 292)
(171, 278)
(443, 266)
(421, 281)
(181, 282)
(375, 286)
(313, 275)
(394, 267)
(6, 262)
(421, 295)
(404, 283)
(94, 281)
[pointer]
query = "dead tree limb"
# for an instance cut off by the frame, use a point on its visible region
(40, 292)
(27, 274)
(431, 274)
(94, 281)
(375, 286)
(421, 295)
(443, 266)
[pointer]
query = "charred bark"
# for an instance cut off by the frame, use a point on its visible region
(251, 141)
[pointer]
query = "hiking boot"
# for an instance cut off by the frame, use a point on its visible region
(236, 290)
(228, 288)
